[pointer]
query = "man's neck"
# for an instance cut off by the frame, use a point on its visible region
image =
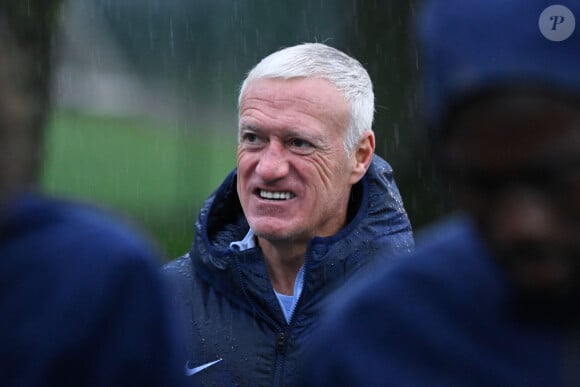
(283, 262)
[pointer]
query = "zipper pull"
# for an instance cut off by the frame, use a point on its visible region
(281, 343)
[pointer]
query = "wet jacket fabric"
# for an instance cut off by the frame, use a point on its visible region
(443, 316)
(233, 317)
(81, 301)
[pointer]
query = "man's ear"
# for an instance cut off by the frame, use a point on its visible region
(362, 156)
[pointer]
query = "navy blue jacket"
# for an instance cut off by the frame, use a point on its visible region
(232, 311)
(441, 317)
(81, 301)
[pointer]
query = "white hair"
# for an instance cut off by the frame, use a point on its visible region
(317, 60)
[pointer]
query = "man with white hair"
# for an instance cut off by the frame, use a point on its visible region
(308, 206)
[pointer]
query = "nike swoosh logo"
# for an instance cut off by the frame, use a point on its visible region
(195, 370)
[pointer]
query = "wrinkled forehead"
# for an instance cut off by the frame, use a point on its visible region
(282, 100)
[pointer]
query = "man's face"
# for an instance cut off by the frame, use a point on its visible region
(294, 177)
(514, 164)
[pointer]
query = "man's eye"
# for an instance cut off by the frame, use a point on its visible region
(250, 140)
(249, 137)
(300, 143)
(300, 146)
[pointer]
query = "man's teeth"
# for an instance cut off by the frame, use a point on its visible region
(276, 195)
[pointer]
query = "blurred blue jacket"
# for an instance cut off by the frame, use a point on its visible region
(441, 317)
(81, 301)
(231, 309)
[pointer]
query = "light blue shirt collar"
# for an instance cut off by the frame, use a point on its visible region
(245, 244)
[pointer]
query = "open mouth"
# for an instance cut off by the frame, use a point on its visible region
(275, 195)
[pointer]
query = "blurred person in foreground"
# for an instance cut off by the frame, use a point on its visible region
(308, 206)
(81, 298)
(491, 297)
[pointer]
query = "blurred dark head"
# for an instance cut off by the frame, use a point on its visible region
(502, 104)
(25, 40)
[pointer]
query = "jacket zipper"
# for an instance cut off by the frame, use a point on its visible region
(282, 340)
(281, 334)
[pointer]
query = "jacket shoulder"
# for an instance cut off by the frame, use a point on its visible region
(178, 273)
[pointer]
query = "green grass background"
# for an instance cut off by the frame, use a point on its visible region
(154, 174)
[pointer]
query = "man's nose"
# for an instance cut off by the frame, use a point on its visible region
(273, 163)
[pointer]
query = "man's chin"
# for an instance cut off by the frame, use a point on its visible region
(274, 227)
(274, 234)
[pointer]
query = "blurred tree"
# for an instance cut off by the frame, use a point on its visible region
(379, 34)
(206, 47)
